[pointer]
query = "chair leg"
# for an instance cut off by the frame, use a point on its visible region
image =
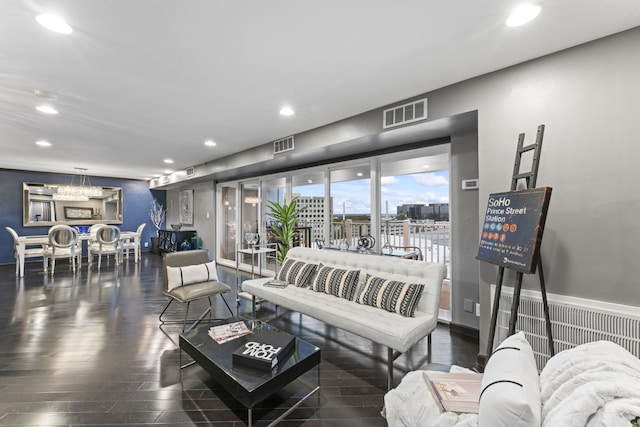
(186, 316)
(165, 309)
(227, 304)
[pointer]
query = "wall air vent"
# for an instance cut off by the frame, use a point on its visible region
(403, 114)
(282, 145)
(190, 171)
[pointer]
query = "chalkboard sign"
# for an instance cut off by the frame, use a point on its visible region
(512, 229)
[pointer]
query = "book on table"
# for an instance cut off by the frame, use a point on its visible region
(455, 392)
(264, 349)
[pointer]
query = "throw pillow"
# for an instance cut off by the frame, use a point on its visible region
(297, 273)
(189, 274)
(391, 295)
(336, 281)
(510, 390)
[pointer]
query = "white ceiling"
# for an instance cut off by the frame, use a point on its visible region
(139, 81)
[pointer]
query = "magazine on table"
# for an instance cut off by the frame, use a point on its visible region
(455, 392)
(228, 332)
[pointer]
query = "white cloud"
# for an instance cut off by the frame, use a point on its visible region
(389, 180)
(430, 179)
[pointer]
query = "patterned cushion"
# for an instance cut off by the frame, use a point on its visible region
(297, 273)
(335, 281)
(190, 274)
(391, 295)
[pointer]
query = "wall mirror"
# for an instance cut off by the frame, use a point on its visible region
(49, 204)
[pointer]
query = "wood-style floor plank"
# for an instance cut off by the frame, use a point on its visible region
(88, 350)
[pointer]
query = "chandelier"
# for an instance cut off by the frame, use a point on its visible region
(77, 193)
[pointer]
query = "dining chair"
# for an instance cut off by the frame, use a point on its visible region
(133, 243)
(63, 243)
(28, 252)
(107, 243)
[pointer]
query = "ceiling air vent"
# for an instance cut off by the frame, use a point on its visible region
(191, 171)
(403, 114)
(282, 145)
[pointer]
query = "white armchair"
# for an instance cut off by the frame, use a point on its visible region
(132, 243)
(107, 242)
(28, 252)
(63, 243)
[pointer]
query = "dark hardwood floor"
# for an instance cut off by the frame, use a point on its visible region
(88, 350)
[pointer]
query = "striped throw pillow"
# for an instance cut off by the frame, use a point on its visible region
(391, 295)
(297, 273)
(335, 281)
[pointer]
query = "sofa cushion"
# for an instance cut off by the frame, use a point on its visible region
(510, 393)
(391, 295)
(189, 274)
(297, 273)
(336, 281)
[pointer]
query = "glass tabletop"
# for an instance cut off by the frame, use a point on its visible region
(248, 385)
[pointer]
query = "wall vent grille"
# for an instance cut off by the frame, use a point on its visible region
(403, 114)
(282, 145)
(191, 171)
(574, 321)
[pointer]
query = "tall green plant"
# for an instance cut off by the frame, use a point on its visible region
(286, 217)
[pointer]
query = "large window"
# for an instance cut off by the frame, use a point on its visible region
(399, 200)
(309, 189)
(227, 222)
(351, 194)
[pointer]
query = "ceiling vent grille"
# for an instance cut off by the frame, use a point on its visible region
(191, 171)
(282, 145)
(403, 114)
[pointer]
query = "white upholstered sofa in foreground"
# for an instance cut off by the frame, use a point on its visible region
(596, 384)
(360, 293)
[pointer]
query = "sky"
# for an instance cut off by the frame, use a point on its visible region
(422, 188)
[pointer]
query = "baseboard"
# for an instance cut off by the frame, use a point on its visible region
(465, 330)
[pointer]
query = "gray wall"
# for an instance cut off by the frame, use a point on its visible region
(203, 212)
(587, 98)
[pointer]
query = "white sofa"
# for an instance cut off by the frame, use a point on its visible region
(397, 332)
(596, 384)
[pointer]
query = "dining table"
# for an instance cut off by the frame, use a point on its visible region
(39, 239)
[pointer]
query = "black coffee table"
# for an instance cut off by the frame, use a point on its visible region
(246, 384)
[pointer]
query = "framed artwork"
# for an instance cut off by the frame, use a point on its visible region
(78, 213)
(186, 207)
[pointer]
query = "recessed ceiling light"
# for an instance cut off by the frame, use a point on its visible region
(287, 111)
(359, 174)
(523, 14)
(43, 143)
(169, 161)
(210, 143)
(426, 166)
(54, 23)
(46, 109)
(310, 181)
(168, 171)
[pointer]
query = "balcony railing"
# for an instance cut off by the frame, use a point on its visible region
(432, 238)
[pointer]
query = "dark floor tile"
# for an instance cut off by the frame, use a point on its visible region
(88, 350)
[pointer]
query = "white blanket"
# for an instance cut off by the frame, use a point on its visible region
(594, 384)
(411, 404)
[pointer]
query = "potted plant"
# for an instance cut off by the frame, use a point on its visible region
(157, 213)
(285, 216)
